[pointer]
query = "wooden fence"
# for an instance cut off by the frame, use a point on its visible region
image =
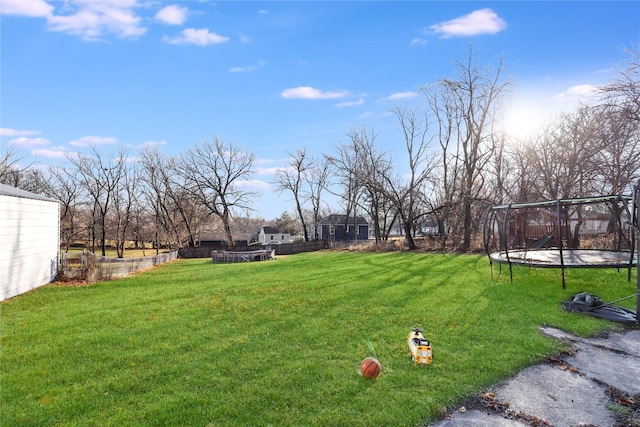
(282, 249)
(244, 256)
(93, 268)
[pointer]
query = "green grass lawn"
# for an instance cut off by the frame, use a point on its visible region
(192, 343)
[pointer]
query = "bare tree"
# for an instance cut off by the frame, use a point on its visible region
(100, 175)
(563, 156)
(213, 173)
(617, 157)
(125, 200)
(317, 181)
(408, 196)
(524, 176)
(593, 149)
(619, 112)
(467, 106)
(346, 167)
(370, 166)
(375, 175)
(624, 92)
(11, 173)
(563, 163)
(174, 211)
(293, 178)
(65, 187)
(445, 181)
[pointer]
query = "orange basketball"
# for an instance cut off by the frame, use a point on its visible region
(370, 368)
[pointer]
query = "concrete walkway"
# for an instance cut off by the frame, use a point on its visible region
(596, 383)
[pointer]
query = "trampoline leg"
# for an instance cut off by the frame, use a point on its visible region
(564, 285)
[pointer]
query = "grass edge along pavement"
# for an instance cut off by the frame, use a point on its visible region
(280, 342)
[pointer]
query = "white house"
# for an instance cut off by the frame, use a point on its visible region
(272, 234)
(29, 240)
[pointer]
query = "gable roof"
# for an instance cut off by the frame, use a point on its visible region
(273, 230)
(222, 237)
(7, 190)
(336, 219)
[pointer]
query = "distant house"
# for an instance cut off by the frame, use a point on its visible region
(339, 227)
(219, 240)
(272, 234)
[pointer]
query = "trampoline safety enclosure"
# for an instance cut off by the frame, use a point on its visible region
(588, 232)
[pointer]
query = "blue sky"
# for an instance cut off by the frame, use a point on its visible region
(278, 76)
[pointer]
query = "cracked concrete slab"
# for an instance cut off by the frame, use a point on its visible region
(625, 341)
(563, 398)
(621, 371)
(577, 394)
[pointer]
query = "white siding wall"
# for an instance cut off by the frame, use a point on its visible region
(264, 238)
(29, 244)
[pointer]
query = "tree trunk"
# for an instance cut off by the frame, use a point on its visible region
(408, 238)
(466, 239)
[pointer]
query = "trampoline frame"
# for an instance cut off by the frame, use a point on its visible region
(625, 258)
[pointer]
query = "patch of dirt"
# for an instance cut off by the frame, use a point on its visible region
(559, 363)
(70, 283)
(626, 408)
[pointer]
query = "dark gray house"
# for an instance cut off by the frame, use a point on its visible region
(339, 227)
(219, 240)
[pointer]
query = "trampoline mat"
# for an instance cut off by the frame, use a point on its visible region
(578, 258)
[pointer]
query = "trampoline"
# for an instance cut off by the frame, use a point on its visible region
(571, 258)
(590, 232)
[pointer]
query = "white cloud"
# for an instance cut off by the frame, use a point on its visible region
(153, 143)
(400, 95)
(481, 21)
(268, 165)
(350, 103)
(13, 132)
(242, 69)
(576, 92)
(200, 37)
(91, 141)
(261, 170)
(248, 68)
(418, 42)
(50, 153)
(91, 20)
(254, 185)
(32, 8)
(307, 92)
(172, 15)
(27, 142)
